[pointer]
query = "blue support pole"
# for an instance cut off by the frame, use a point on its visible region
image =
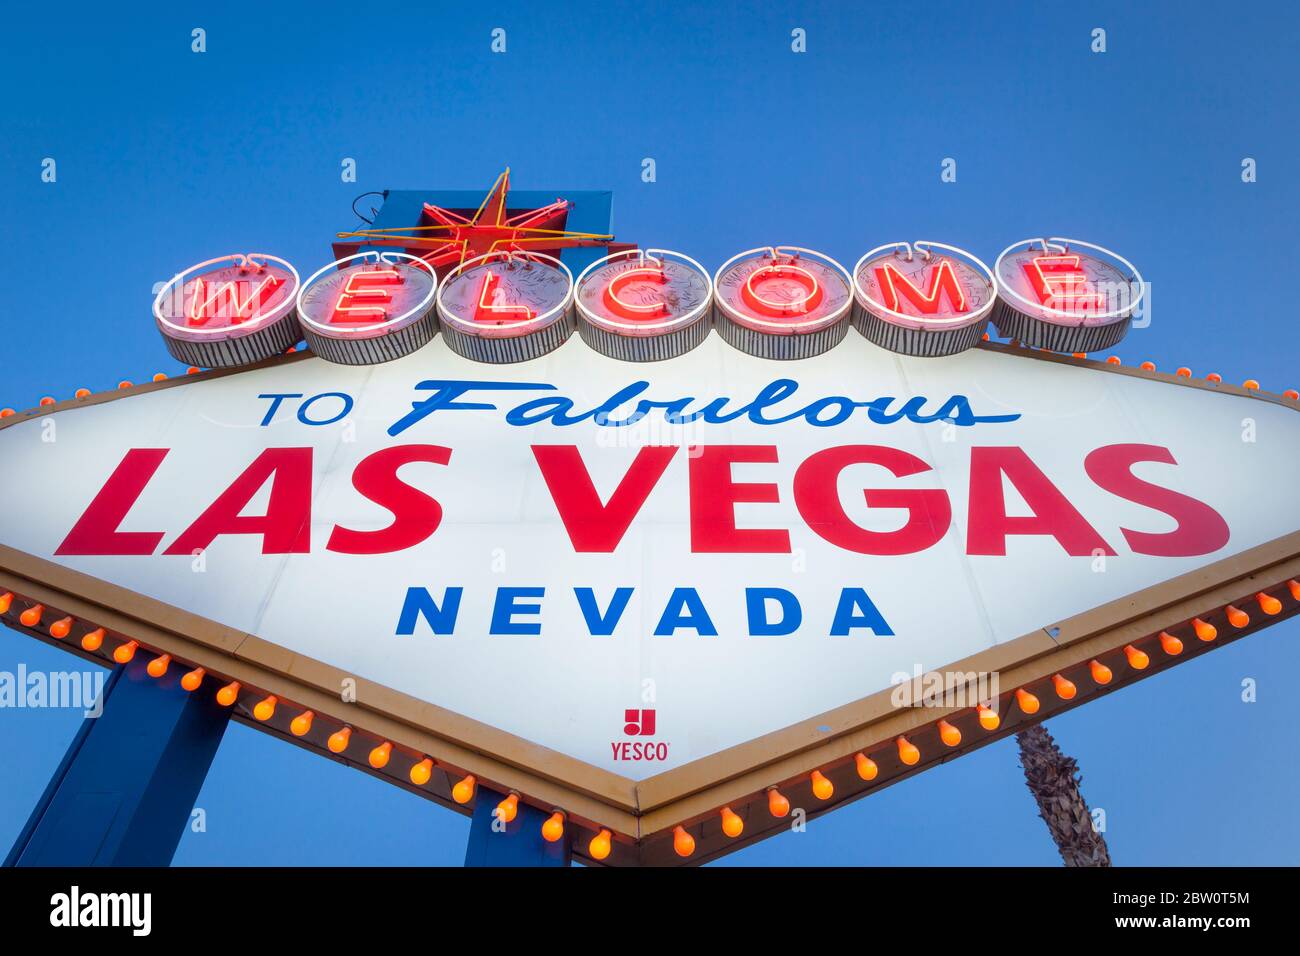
(125, 789)
(518, 843)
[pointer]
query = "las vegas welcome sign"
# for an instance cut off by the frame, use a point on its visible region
(644, 591)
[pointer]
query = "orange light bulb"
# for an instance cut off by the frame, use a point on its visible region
(6, 600)
(126, 383)
(1267, 603)
(1214, 377)
(228, 694)
(508, 809)
(1250, 385)
(1114, 360)
(63, 626)
(300, 726)
(1027, 701)
(867, 768)
(1138, 660)
(124, 652)
(907, 752)
(988, 717)
(553, 828)
(1292, 394)
(777, 805)
(32, 616)
(1293, 584)
(191, 680)
(463, 792)
(379, 756)
(822, 788)
(264, 709)
(422, 772)
(1170, 644)
(1184, 372)
(7, 413)
(338, 741)
(1204, 629)
(158, 666)
(1148, 366)
(732, 825)
(683, 842)
(1100, 672)
(1065, 689)
(47, 400)
(949, 734)
(1237, 617)
(82, 393)
(600, 845)
(160, 376)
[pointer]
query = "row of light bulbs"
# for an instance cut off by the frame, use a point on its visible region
(601, 844)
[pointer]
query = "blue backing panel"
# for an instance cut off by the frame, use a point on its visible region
(591, 212)
(519, 844)
(125, 790)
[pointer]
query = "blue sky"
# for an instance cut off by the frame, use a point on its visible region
(167, 157)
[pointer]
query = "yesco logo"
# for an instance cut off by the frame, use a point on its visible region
(74, 908)
(639, 723)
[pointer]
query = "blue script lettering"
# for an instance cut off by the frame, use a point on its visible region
(626, 407)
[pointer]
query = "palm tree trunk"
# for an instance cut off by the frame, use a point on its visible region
(1052, 778)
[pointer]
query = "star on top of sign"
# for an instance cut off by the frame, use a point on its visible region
(452, 238)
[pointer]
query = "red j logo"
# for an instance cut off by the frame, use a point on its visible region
(639, 723)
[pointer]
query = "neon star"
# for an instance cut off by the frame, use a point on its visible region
(451, 238)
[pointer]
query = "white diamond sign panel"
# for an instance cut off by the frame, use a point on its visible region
(642, 565)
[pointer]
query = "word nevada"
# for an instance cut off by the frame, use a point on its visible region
(516, 612)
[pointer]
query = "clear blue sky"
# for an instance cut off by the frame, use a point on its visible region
(166, 157)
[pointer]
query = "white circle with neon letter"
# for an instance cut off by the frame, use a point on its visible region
(783, 290)
(1068, 282)
(924, 285)
(229, 311)
(367, 294)
(368, 308)
(505, 294)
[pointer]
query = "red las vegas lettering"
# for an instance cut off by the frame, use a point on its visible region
(596, 523)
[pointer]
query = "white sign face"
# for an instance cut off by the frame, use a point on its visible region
(764, 542)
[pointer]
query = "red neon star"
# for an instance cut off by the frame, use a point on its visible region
(452, 238)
